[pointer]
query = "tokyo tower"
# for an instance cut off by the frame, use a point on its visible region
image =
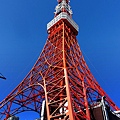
(60, 80)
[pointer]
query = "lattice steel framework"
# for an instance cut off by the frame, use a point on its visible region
(60, 76)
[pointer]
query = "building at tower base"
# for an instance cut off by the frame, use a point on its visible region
(97, 114)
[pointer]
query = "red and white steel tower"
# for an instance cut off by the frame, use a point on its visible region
(60, 76)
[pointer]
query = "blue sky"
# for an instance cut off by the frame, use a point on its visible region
(23, 35)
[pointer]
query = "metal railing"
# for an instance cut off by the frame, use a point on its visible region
(62, 15)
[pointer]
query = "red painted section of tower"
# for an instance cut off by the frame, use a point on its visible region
(60, 76)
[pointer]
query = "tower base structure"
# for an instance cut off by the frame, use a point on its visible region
(98, 112)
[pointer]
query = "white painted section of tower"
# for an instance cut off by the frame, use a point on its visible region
(42, 111)
(62, 15)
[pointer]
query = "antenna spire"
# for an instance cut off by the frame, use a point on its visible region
(63, 6)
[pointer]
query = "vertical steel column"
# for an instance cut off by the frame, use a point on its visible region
(70, 108)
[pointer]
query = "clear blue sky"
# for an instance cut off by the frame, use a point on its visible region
(23, 35)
